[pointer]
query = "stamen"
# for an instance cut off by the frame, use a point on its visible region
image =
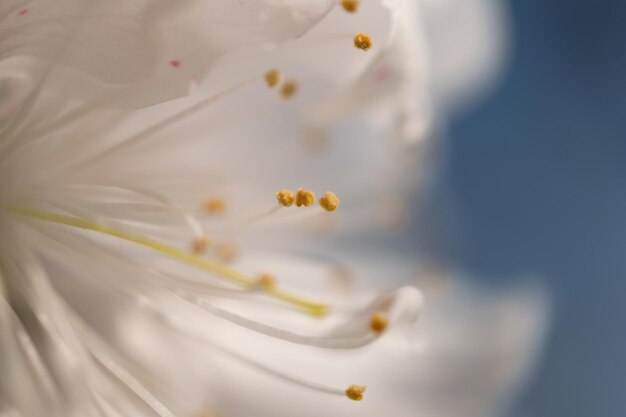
(285, 198)
(167, 122)
(355, 392)
(200, 245)
(98, 350)
(273, 78)
(72, 116)
(178, 326)
(304, 198)
(263, 215)
(362, 41)
(325, 342)
(214, 206)
(191, 221)
(350, 6)
(378, 322)
(289, 89)
(227, 252)
(224, 271)
(329, 201)
(266, 281)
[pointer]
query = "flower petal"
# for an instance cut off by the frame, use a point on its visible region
(152, 48)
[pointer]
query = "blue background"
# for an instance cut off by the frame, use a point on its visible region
(534, 180)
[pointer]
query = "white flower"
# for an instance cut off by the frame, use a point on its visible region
(470, 351)
(145, 50)
(118, 228)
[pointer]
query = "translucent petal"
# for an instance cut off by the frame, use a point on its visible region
(144, 51)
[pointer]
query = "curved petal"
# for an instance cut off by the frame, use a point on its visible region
(145, 51)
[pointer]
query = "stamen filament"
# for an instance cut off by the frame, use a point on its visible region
(314, 308)
(178, 326)
(189, 111)
(107, 361)
(326, 342)
(262, 216)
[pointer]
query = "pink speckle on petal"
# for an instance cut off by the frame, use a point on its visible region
(22, 12)
(382, 73)
(175, 63)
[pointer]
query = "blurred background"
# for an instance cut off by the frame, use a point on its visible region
(533, 181)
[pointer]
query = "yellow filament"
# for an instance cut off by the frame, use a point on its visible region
(316, 309)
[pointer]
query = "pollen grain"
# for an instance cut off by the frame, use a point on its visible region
(273, 78)
(266, 281)
(200, 245)
(285, 198)
(329, 201)
(227, 252)
(304, 198)
(378, 322)
(355, 392)
(362, 41)
(214, 206)
(289, 89)
(350, 6)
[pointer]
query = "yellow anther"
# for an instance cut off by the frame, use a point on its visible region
(329, 201)
(362, 41)
(355, 392)
(214, 205)
(350, 6)
(378, 322)
(266, 281)
(273, 78)
(285, 198)
(227, 252)
(200, 245)
(289, 89)
(304, 198)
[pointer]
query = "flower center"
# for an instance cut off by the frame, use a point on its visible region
(314, 308)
